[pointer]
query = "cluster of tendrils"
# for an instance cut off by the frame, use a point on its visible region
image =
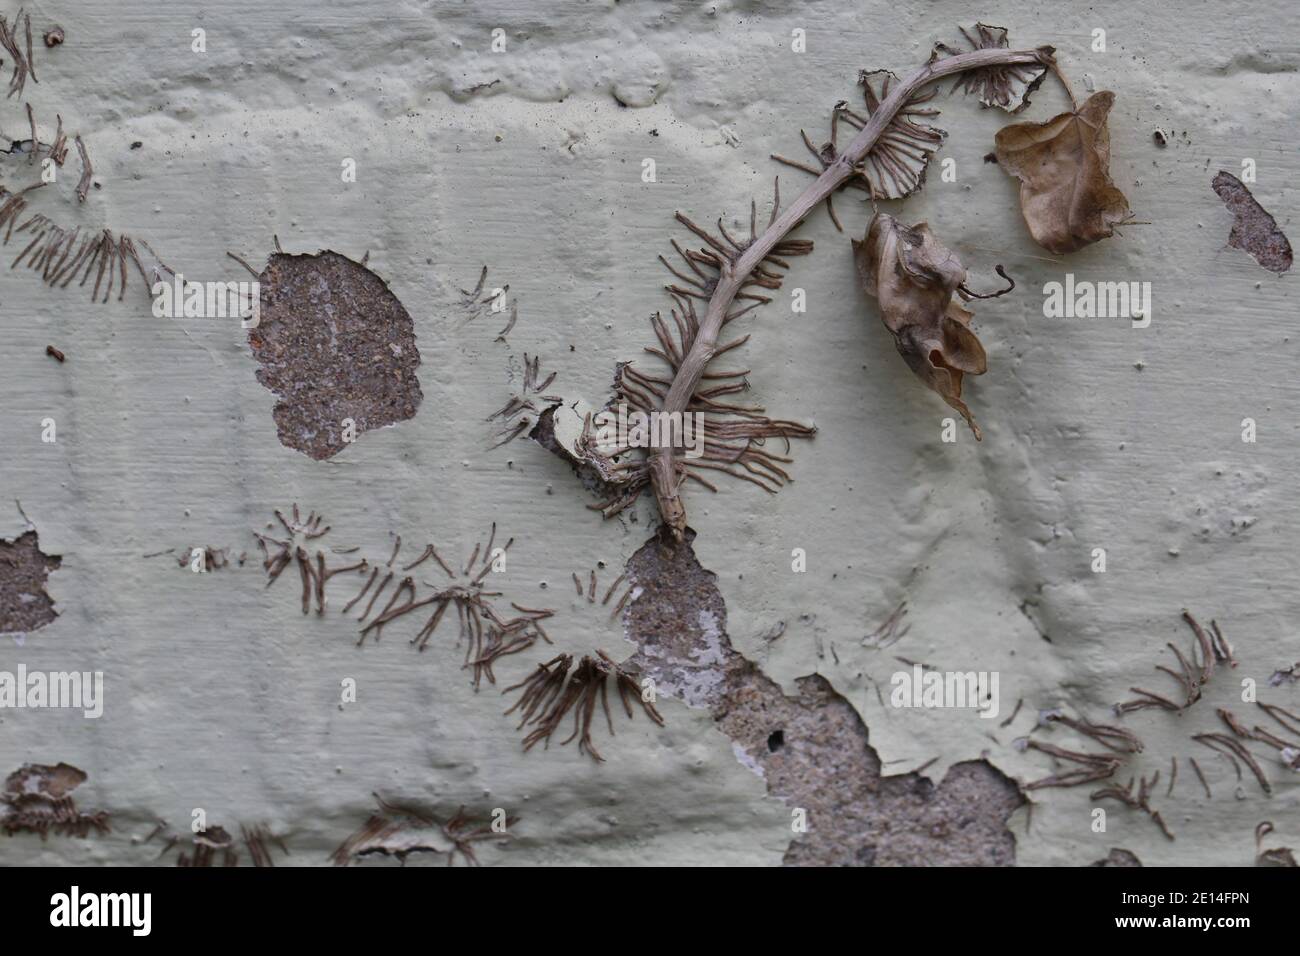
(56, 255)
(488, 634)
(24, 64)
(722, 252)
(550, 693)
(589, 591)
(1192, 675)
(520, 413)
(557, 688)
(473, 300)
(399, 831)
(730, 437)
(890, 631)
(1235, 750)
(895, 166)
(216, 846)
(1005, 85)
(313, 572)
(1195, 670)
(1141, 800)
(1120, 744)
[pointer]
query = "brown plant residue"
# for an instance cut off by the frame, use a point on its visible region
(1066, 193)
(488, 632)
(1271, 856)
(11, 38)
(1118, 856)
(812, 748)
(1193, 673)
(59, 255)
(398, 831)
(334, 343)
(1004, 86)
(914, 279)
(216, 846)
(524, 408)
(24, 569)
(551, 693)
(896, 166)
(1253, 228)
(38, 799)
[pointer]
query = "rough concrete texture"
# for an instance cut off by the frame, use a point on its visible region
(25, 605)
(337, 349)
(811, 748)
(1253, 228)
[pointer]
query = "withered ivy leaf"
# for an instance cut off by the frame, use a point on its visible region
(1066, 194)
(914, 278)
(895, 167)
(1006, 87)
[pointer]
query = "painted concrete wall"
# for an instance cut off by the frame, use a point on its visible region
(220, 694)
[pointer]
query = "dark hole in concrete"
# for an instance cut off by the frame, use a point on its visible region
(775, 741)
(334, 345)
(24, 570)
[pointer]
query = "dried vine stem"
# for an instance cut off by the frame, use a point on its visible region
(666, 470)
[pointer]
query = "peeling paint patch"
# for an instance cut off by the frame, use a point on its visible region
(678, 622)
(38, 799)
(1253, 228)
(337, 348)
(812, 748)
(557, 428)
(24, 570)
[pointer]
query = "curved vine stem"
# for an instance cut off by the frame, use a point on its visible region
(666, 473)
(1069, 90)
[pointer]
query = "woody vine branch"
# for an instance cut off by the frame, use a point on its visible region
(735, 270)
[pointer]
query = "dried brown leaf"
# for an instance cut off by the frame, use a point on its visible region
(914, 279)
(1066, 193)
